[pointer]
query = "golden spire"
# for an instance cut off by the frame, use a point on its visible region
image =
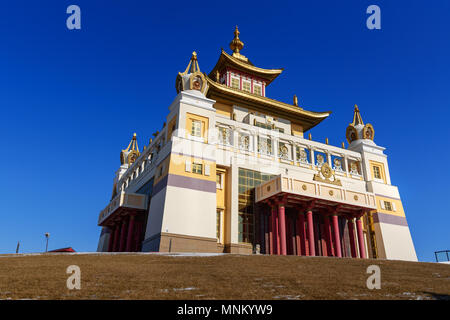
(236, 45)
(193, 65)
(295, 100)
(357, 117)
(131, 152)
(357, 130)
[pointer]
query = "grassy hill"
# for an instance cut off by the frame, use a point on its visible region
(184, 276)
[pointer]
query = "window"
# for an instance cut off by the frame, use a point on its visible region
(264, 146)
(197, 168)
(248, 180)
(283, 151)
(224, 135)
(196, 129)
(377, 172)
(235, 83)
(218, 225)
(246, 86)
(387, 205)
(219, 181)
(257, 89)
(244, 141)
(267, 126)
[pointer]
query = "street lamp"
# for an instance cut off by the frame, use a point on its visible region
(47, 235)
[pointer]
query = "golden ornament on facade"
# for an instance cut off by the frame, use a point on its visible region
(351, 134)
(326, 171)
(337, 162)
(304, 187)
(132, 156)
(330, 192)
(319, 159)
(368, 132)
(324, 175)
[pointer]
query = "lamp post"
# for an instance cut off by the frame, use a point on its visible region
(47, 235)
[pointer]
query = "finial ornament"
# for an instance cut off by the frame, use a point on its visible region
(357, 119)
(192, 78)
(295, 100)
(236, 45)
(193, 65)
(131, 153)
(357, 130)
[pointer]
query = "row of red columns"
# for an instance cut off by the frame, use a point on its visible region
(124, 235)
(277, 233)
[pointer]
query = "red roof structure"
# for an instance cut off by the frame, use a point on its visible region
(68, 249)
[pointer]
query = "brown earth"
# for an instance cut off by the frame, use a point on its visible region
(153, 276)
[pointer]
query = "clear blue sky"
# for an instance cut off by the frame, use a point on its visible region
(71, 100)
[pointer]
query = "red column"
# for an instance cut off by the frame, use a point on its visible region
(123, 235)
(277, 232)
(289, 247)
(297, 236)
(292, 238)
(337, 239)
(273, 232)
(116, 237)
(282, 222)
(266, 233)
(111, 238)
(362, 250)
(129, 246)
(327, 232)
(351, 234)
(309, 219)
(302, 233)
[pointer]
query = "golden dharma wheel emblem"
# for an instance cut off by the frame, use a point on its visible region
(326, 171)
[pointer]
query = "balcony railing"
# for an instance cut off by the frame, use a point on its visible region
(300, 151)
(123, 200)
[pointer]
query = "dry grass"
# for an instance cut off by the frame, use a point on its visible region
(138, 276)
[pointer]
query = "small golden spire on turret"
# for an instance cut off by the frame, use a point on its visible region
(295, 100)
(357, 130)
(357, 117)
(131, 153)
(193, 65)
(236, 45)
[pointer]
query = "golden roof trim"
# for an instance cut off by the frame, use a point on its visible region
(268, 101)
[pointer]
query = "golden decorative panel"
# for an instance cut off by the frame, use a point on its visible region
(324, 175)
